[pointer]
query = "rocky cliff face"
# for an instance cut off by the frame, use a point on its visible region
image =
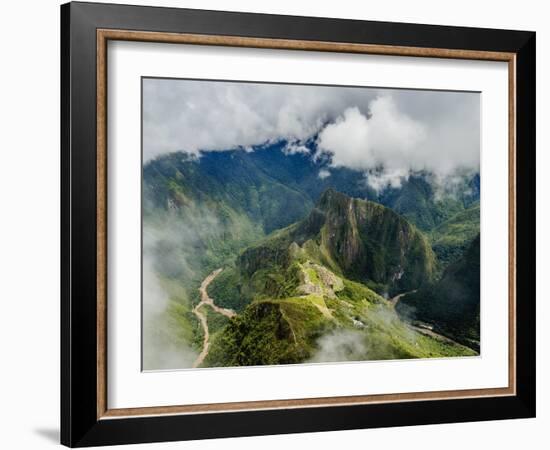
(371, 242)
(360, 239)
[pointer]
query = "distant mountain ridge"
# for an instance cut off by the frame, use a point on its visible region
(230, 175)
(451, 238)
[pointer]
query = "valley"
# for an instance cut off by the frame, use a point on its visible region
(266, 263)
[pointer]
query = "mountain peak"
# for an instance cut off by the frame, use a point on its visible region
(331, 198)
(335, 202)
(361, 239)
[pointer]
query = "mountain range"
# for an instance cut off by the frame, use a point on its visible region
(316, 264)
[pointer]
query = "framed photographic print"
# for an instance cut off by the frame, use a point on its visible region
(276, 224)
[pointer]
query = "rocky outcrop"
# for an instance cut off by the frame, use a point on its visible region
(371, 242)
(362, 239)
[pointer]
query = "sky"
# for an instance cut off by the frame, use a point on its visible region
(387, 133)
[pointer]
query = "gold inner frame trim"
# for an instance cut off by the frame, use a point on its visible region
(104, 35)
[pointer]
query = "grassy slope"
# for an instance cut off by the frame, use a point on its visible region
(356, 238)
(293, 328)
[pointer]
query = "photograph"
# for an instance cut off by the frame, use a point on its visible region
(304, 224)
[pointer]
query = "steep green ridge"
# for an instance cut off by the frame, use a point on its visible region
(296, 299)
(319, 316)
(451, 238)
(359, 239)
(452, 304)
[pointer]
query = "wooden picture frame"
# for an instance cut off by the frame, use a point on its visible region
(86, 418)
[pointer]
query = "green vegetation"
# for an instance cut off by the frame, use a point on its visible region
(351, 323)
(307, 262)
(451, 238)
(357, 292)
(227, 290)
(260, 336)
(360, 239)
(427, 205)
(296, 302)
(452, 304)
(174, 329)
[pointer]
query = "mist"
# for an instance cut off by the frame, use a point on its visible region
(162, 349)
(342, 345)
(171, 241)
(391, 145)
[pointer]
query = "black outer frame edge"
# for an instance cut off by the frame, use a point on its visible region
(65, 226)
(301, 420)
(79, 426)
(526, 223)
(79, 292)
(177, 20)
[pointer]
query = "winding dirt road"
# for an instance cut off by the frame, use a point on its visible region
(395, 300)
(201, 315)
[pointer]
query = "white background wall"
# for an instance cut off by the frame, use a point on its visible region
(29, 224)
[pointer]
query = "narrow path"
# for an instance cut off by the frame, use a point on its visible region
(395, 300)
(429, 332)
(201, 315)
(206, 339)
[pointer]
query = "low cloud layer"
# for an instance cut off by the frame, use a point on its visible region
(387, 138)
(161, 348)
(169, 241)
(342, 345)
(386, 133)
(192, 115)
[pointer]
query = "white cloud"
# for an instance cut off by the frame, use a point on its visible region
(387, 133)
(390, 144)
(384, 139)
(383, 177)
(193, 115)
(342, 345)
(293, 148)
(323, 173)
